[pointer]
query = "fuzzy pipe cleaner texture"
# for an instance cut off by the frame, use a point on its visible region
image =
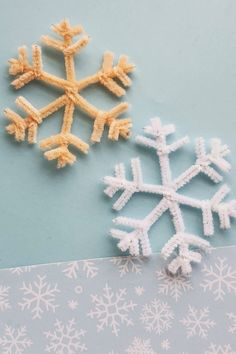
(113, 77)
(182, 248)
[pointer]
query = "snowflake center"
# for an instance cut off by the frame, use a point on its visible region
(112, 308)
(65, 341)
(169, 194)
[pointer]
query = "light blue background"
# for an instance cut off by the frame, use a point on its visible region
(185, 52)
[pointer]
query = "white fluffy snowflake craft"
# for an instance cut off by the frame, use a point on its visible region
(183, 248)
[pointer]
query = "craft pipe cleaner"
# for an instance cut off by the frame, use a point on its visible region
(183, 248)
(113, 77)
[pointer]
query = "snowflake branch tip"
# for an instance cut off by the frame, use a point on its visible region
(182, 243)
(225, 210)
(156, 128)
(119, 182)
(117, 127)
(114, 77)
(62, 153)
(17, 126)
(21, 66)
(17, 66)
(215, 157)
(134, 241)
(119, 72)
(160, 132)
(65, 29)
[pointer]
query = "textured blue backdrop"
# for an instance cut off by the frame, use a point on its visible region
(185, 52)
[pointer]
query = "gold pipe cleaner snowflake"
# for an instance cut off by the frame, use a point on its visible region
(110, 76)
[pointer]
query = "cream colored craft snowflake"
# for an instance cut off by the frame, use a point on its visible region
(111, 76)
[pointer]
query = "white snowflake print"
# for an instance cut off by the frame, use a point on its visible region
(65, 338)
(21, 270)
(140, 346)
(232, 318)
(15, 340)
(139, 290)
(111, 309)
(157, 316)
(89, 269)
(39, 296)
(219, 279)
(73, 304)
(128, 264)
(218, 349)
(173, 284)
(72, 269)
(4, 298)
(78, 289)
(197, 322)
(183, 248)
(165, 344)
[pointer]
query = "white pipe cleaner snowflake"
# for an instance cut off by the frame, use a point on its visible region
(182, 247)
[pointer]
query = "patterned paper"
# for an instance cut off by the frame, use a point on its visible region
(119, 305)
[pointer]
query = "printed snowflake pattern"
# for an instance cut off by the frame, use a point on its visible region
(173, 285)
(72, 269)
(21, 270)
(128, 264)
(214, 349)
(73, 304)
(180, 246)
(140, 346)
(111, 309)
(178, 325)
(15, 340)
(157, 316)
(39, 296)
(139, 290)
(197, 322)
(65, 339)
(4, 298)
(220, 279)
(232, 318)
(165, 344)
(108, 76)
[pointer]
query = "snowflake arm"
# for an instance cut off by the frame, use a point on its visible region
(108, 76)
(39, 296)
(232, 317)
(15, 340)
(4, 298)
(171, 200)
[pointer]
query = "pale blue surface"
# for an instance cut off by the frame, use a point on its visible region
(185, 52)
